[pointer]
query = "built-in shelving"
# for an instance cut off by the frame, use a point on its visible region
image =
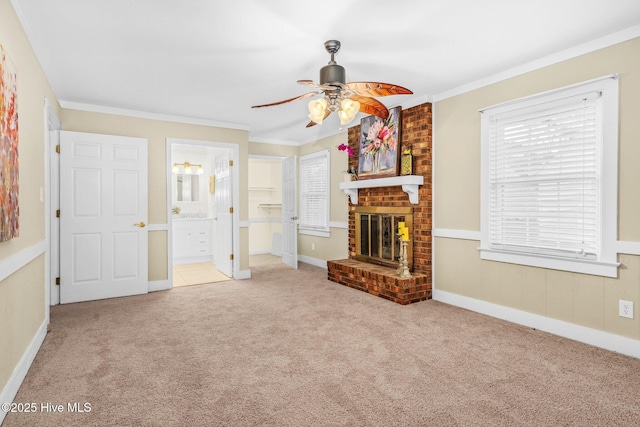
(410, 185)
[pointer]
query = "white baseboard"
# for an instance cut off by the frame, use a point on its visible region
(595, 337)
(261, 252)
(313, 261)
(243, 274)
(159, 285)
(20, 371)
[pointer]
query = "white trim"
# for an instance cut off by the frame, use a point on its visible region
(622, 247)
(265, 219)
(261, 252)
(564, 55)
(317, 233)
(244, 224)
(51, 187)
(243, 274)
(70, 105)
(451, 233)
(631, 248)
(266, 157)
(595, 337)
(313, 261)
(339, 224)
(159, 285)
(564, 91)
(575, 265)
(17, 261)
(20, 371)
(277, 141)
(410, 185)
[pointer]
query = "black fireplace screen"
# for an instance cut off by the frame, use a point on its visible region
(377, 239)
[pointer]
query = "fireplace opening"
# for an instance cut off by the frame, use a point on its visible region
(376, 234)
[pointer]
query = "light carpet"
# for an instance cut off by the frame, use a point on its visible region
(290, 348)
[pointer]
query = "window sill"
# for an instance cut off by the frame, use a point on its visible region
(595, 268)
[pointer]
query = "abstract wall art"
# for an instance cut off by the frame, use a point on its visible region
(9, 183)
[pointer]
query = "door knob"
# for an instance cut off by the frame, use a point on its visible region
(140, 224)
(293, 218)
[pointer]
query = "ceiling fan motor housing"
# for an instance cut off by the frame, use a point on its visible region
(332, 73)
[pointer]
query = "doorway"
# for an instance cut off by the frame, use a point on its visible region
(265, 210)
(200, 199)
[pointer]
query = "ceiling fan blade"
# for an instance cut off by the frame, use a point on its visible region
(306, 95)
(326, 114)
(377, 89)
(313, 84)
(371, 106)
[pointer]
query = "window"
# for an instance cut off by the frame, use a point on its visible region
(314, 194)
(549, 179)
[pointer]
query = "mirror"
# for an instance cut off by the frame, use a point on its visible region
(188, 188)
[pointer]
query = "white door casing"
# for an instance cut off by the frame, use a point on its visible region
(289, 217)
(224, 217)
(103, 215)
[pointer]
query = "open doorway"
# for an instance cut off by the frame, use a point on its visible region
(201, 221)
(265, 210)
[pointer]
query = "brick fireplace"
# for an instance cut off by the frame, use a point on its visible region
(382, 280)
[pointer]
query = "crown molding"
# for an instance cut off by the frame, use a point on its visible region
(564, 55)
(70, 105)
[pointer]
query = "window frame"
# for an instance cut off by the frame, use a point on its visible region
(605, 263)
(312, 229)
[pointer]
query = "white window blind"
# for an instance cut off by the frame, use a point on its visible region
(314, 193)
(544, 178)
(549, 179)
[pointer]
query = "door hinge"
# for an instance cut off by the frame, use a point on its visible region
(231, 257)
(58, 281)
(58, 149)
(231, 209)
(230, 162)
(57, 213)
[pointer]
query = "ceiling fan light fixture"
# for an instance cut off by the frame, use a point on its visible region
(348, 110)
(317, 109)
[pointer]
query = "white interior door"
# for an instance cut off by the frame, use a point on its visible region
(224, 217)
(289, 217)
(103, 214)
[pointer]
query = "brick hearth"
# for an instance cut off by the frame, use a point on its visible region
(380, 281)
(416, 135)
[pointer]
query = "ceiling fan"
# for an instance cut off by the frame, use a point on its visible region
(344, 98)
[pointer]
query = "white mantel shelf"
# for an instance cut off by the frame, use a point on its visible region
(409, 183)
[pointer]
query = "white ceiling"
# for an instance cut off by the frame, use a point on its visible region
(212, 60)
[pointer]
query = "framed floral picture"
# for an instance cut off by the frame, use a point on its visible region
(379, 145)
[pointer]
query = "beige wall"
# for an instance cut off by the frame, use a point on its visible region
(584, 300)
(22, 294)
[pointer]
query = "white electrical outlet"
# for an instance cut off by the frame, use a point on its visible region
(313, 246)
(626, 309)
